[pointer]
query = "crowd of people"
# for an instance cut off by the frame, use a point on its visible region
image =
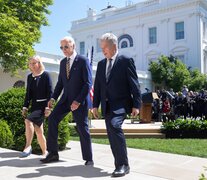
(184, 104)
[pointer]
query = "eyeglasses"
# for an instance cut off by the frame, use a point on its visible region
(64, 47)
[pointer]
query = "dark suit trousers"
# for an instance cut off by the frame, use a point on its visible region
(114, 121)
(81, 118)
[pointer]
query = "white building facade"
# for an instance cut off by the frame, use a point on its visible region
(148, 30)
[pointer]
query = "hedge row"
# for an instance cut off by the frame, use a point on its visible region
(185, 128)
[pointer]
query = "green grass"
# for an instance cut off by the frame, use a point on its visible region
(190, 147)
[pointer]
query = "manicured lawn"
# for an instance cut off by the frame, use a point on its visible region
(190, 147)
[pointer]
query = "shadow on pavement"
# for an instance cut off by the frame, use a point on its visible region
(9, 154)
(21, 162)
(62, 171)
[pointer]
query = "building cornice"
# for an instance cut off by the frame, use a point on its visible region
(133, 13)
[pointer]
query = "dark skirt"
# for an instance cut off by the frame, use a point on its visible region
(37, 117)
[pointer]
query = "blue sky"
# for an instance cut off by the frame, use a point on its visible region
(63, 12)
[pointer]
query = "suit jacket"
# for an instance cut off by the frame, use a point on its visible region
(44, 87)
(122, 91)
(79, 83)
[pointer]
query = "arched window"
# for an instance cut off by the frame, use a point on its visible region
(19, 83)
(125, 41)
(124, 44)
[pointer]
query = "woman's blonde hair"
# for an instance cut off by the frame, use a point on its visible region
(38, 59)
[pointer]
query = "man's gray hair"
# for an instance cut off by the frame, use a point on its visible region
(69, 39)
(110, 37)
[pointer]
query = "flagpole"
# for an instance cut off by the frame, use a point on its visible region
(91, 90)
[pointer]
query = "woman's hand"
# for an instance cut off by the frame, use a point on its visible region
(47, 111)
(24, 112)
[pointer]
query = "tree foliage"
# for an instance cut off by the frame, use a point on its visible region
(20, 23)
(198, 80)
(169, 72)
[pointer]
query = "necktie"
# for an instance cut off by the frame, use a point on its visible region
(68, 67)
(109, 70)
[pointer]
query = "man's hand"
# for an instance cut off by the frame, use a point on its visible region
(95, 113)
(50, 103)
(135, 112)
(74, 105)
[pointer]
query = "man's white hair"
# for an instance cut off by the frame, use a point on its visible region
(110, 37)
(69, 39)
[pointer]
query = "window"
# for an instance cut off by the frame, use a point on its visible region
(19, 83)
(82, 48)
(179, 30)
(98, 48)
(152, 35)
(181, 58)
(124, 44)
(204, 30)
(125, 41)
(152, 59)
(204, 61)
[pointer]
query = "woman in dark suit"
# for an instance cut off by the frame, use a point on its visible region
(38, 92)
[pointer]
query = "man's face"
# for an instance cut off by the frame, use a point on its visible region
(108, 49)
(67, 48)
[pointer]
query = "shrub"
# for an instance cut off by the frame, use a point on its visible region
(185, 128)
(73, 131)
(6, 137)
(64, 131)
(11, 103)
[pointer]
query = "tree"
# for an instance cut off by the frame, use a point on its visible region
(169, 72)
(20, 23)
(198, 80)
(180, 77)
(160, 71)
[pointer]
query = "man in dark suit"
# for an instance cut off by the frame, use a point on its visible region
(117, 89)
(75, 80)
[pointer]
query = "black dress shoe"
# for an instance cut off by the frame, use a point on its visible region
(121, 171)
(89, 163)
(51, 157)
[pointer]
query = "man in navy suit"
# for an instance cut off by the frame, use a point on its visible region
(75, 80)
(117, 89)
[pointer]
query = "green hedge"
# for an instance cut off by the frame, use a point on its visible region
(185, 128)
(11, 103)
(6, 137)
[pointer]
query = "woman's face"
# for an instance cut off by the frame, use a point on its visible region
(34, 65)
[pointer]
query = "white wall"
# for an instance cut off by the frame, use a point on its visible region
(7, 82)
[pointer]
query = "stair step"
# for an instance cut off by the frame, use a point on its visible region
(133, 135)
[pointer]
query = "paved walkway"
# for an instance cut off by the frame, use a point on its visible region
(145, 165)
